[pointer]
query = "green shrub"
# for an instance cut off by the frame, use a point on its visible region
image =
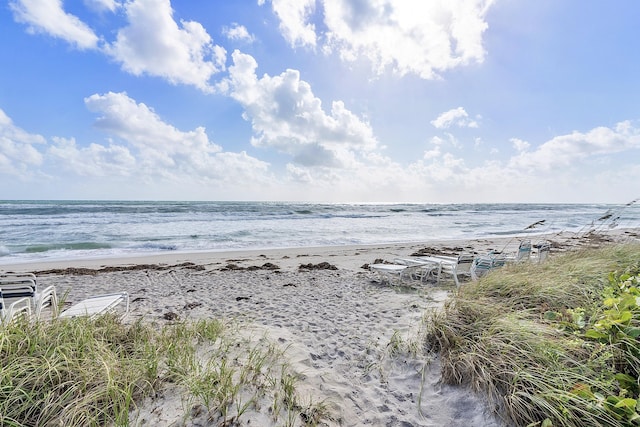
(551, 344)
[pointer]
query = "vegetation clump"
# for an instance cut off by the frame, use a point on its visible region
(100, 372)
(551, 344)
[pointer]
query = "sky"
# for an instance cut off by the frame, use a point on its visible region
(425, 101)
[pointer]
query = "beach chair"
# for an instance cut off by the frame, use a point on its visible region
(523, 254)
(47, 298)
(10, 311)
(24, 285)
(17, 276)
(391, 273)
(544, 249)
(485, 263)
(457, 269)
(404, 268)
(18, 285)
(18, 289)
(420, 268)
(98, 305)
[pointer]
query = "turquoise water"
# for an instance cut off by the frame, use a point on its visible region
(38, 230)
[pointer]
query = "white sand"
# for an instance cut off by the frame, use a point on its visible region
(336, 325)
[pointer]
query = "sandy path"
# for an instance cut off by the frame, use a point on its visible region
(337, 327)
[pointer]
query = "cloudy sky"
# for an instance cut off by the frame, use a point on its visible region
(320, 100)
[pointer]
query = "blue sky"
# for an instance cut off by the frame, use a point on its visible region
(321, 100)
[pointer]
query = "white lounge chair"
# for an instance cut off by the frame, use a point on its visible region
(421, 268)
(544, 249)
(47, 298)
(461, 267)
(485, 263)
(18, 285)
(405, 268)
(523, 254)
(439, 266)
(97, 305)
(10, 311)
(389, 272)
(24, 285)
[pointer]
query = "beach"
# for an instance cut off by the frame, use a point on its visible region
(334, 319)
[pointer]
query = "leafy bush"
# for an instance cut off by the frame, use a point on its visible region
(551, 344)
(618, 327)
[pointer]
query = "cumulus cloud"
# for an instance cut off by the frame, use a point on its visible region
(142, 127)
(162, 150)
(455, 117)
(154, 44)
(238, 32)
(48, 17)
(142, 151)
(161, 147)
(567, 150)
(155, 159)
(287, 116)
(294, 18)
(567, 168)
(92, 160)
(407, 37)
(18, 148)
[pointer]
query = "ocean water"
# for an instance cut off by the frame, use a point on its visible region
(53, 230)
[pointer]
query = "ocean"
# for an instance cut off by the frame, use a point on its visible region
(56, 230)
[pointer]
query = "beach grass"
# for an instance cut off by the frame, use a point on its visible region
(551, 344)
(98, 372)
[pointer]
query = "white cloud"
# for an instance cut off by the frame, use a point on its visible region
(93, 160)
(431, 154)
(567, 168)
(18, 148)
(299, 174)
(567, 150)
(519, 144)
(455, 117)
(286, 115)
(294, 18)
(160, 144)
(153, 43)
(450, 140)
(49, 17)
(162, 150)
(239, 33)
(408, 37)
(143, 156)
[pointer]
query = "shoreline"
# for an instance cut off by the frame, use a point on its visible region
(345, 256)
(212, 257)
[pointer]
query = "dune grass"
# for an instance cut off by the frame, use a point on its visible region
(552, 344)
(95, 372)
